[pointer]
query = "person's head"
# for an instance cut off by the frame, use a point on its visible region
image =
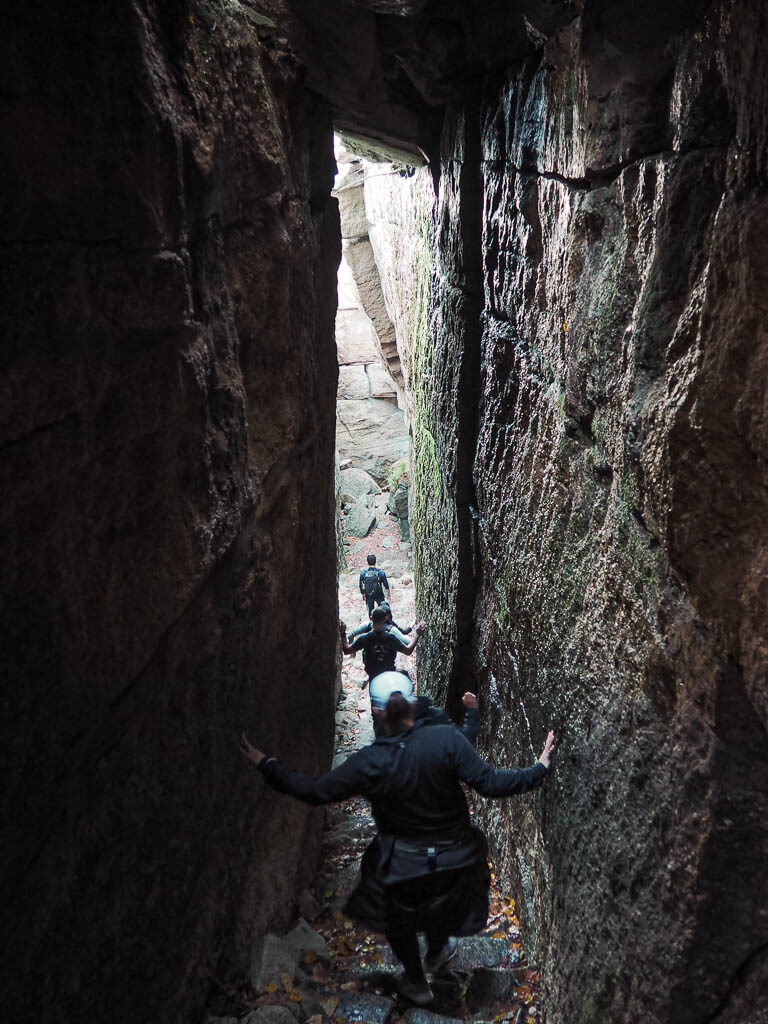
(398, 715)
(371, 559)
(385, 606)
(385, 684)
(390, 716)
(379, 618)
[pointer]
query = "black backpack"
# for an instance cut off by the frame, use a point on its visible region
(378, 655)
(371, 583)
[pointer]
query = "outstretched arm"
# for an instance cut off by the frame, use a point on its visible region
(470, 727)
(365, 628)
(342, 782)
(489, 781)
(410, 647)
(343, 637)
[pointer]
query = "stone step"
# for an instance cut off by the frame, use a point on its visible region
(489, 986)
(427, 1017)
(365, 1008)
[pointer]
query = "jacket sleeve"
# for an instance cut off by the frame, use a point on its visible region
(345, 781)
(383, 579)
(365, 628)
(471, 725)
(489, 781)
(398, 637)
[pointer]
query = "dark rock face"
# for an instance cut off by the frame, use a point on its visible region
(169, 254)
(597, 390)
(621, 483)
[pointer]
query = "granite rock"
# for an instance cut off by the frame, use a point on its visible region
(357, 484)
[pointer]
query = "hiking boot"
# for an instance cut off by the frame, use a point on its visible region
(436, 961)
(417, 992)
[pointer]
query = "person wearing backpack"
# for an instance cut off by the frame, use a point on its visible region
(373, 583)
(367, 626)
(381, 645)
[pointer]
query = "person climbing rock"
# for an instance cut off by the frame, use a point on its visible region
(426, 870)
(381, 644)
(387, 683)
(373, 583)
(367, 626)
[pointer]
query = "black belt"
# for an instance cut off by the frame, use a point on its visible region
(431, 849)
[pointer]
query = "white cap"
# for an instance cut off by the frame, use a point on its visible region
(385, 684)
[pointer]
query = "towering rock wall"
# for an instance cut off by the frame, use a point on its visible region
(597, 390)
(620, 478)
(370, 427)
(169, 251)
(400, 212)
(589, 374)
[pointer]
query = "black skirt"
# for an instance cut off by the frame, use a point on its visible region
(408, 886)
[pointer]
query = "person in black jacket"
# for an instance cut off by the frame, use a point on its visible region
(427, 869)
(381, 645)
(373, 583)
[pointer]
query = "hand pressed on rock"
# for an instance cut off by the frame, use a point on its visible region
(549, 745)
(253, 754)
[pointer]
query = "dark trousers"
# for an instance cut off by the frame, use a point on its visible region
(406, 899)
(371, 600)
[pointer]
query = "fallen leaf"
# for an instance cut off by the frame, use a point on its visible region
(310, 957)
(270, 987)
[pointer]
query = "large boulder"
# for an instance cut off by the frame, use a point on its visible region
(353, 383)
(352, 207)
(372, 434)
(355, 484)
(168, 256)
(361, 520)
(380, 381)
(355, 337)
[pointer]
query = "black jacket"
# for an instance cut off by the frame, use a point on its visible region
(412, 780)
(470, 728)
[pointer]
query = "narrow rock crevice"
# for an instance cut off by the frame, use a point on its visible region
(468, 182)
